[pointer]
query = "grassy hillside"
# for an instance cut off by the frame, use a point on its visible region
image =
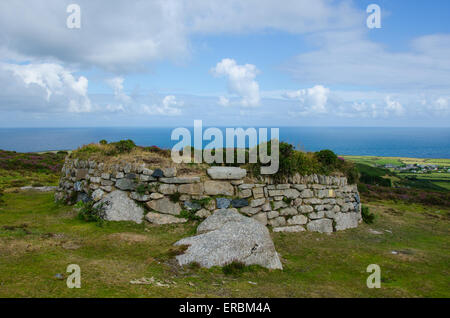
(39, 239)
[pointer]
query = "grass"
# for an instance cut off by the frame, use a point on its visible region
(315, 265)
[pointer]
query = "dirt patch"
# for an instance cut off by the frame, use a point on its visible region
(23, 227)
(129, 237)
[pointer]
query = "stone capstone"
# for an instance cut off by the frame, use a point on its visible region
(228, 236)
(226, 173)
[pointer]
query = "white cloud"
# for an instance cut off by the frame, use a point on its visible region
(120, 37)
(117, 84)
(168, 107)
(312, 100)
(241, 80)
(393, 106)
(223, 101)
(350, 58)
(43, 87)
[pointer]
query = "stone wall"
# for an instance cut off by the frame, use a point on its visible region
(315, 203)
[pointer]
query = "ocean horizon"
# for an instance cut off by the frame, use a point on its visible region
(364, 141)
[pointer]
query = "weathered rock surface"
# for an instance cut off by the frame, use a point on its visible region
(117, 206)
(157, 218)
(346, 220)
(228, 236)
(226, 173)
(126, 184)
(295, 228)
(164, 205)
(321, 226)
(218, 188)
(223, 203)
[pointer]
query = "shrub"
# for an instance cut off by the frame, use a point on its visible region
(124, 146)
(362, 188)
(103, 142)
(326, 157)
(87, 212)
(367, 216)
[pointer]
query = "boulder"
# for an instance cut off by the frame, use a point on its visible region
(117, 206)
(164, 205)
(226, 173)
(160, 219)
(228, 236)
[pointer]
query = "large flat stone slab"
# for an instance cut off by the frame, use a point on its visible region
(228, 236)
(226, 173)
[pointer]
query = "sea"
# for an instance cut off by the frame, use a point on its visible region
(361, 141)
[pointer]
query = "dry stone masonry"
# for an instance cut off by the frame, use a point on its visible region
(136, 193)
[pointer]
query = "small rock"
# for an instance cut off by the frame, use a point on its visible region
(158, 173)
(223, 203)
(239, 203)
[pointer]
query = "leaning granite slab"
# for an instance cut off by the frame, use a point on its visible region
(226, 173)
(117, 206)
(228, 236)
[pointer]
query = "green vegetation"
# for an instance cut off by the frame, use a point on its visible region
(87, 212)
(366, 215)
(22, 169)
(190, 215)
(175, 197)
(293, 161)
(40, 238)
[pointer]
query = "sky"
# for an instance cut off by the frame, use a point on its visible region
(228, 63)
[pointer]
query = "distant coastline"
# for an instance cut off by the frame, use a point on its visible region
(359, 141)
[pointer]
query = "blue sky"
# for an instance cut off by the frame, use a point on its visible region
(238, 63)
